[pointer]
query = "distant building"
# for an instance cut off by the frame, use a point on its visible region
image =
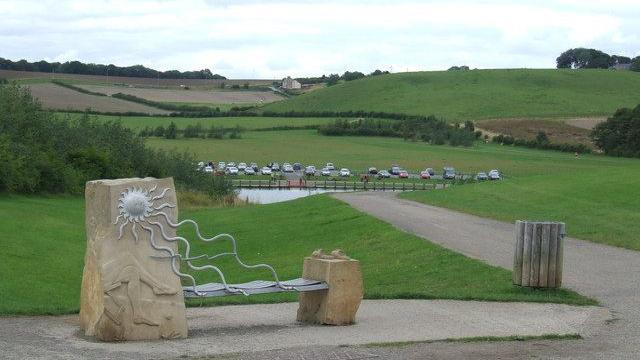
(620, 67)
(290, 84)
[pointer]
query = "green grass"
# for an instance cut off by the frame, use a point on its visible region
(43, 248)
(480, 339)
(479, 94)
(359, 153)
(600, 205)
(251, 123)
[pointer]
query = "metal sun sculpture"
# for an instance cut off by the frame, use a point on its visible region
(137, 207)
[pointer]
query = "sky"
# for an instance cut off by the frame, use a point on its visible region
(274, 39)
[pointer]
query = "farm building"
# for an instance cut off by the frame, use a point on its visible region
(290, 84)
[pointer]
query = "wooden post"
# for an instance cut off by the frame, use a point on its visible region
(537, 260)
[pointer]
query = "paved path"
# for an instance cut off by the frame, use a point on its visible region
(609, 274)
(248, 329)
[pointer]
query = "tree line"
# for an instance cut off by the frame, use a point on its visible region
(620, 134)
(424, 128)
(77, 67)
(41, 152)
(582, 58)
(333, 79)
(192, 131)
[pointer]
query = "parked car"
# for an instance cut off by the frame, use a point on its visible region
(403, 174)
(242, 166)
(430, 171)
(373, 171)
(344, 172)
(275, 167)
(287, 168)
(395, 170)
(425, 175)
(448, 173)
(208, 169)
(231, 164)
(232, 170)
(249, 171)
(254, 166)
(310, 170)
(384, 174)
(266, 171)
(297, 167)
(494, 175)
(330, 166)
(222, 165)
(325, 172)
(481, 176)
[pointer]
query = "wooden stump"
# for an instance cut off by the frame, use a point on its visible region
(537, 261)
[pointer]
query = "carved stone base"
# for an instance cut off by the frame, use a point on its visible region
(337, 305)
(128, 293)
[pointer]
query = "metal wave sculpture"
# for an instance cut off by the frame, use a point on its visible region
(138, 207)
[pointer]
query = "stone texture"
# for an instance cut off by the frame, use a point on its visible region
(337, 305)
(127, 294)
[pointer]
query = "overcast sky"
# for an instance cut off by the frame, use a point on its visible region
(272, 39)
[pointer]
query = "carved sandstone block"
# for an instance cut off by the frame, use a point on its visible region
(128, 291)
(337, 305)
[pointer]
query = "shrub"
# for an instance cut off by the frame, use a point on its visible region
(620, 134)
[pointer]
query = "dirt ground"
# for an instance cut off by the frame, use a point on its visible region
(557, 131)
(60, 98)
(585, 123)
(189, 96)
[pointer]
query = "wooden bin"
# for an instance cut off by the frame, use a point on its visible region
(537, 261)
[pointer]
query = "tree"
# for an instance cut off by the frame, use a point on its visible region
(458, 68)
(582, 58)
(349, 76)
(172, 131)
(620, 134)
(332, 79)
(635, 64)
(378, 72)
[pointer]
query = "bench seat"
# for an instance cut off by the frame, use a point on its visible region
(253, 287)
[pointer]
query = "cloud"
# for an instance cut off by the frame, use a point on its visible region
(245, 38)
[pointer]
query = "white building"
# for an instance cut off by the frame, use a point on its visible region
(290, 84)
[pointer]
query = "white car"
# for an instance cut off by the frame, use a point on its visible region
(242, 166)
(231, 164)
(310, 170)
(249, 171)
(330, 166)
(208, 169)
(494, 175)
(232, 170)
(344, 172)
(325, 172)
(222, 165)
(266, 170)
(287, 168)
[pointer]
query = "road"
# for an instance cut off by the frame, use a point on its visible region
(609, 274)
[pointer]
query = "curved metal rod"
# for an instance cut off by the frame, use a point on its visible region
(234, 253)
(173, 257)
(188, 262)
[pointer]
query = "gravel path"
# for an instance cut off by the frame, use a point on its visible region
(609, 274)
(268, 329)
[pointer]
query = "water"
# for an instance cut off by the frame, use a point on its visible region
(269, 196)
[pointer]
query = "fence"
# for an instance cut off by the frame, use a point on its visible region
(335, 185)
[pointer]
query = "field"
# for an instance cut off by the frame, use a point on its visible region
(557, 131)
(60, 98)
(41, 230)
(479, 94)
(190, 96)
(98, 79)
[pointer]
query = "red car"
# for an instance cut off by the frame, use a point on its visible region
(403, 174)
(425, 175)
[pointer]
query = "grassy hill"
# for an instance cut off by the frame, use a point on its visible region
(479, 94)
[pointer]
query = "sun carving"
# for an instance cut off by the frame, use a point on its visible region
(136, 206)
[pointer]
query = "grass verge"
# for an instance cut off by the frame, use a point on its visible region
(481, 339)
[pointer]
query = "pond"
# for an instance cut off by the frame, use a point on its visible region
(269, 196)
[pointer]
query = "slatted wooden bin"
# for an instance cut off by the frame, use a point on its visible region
(537, 261)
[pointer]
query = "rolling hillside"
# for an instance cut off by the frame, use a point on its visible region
(479, 94)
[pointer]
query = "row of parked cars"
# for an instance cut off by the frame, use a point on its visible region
(230, 168)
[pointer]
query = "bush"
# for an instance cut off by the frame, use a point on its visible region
(620, 134)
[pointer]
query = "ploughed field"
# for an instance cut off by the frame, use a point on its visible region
(479, 94)
(191, 95)
(55, 97)
(557, 131)
(44, 242)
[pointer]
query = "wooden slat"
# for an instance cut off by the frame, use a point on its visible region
(517, 257)
(535, 255)
(526, 253)
(544, 255)
(553, 252)
(559, 259)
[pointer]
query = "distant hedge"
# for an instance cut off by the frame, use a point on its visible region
(541, 142)
(77, 88)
